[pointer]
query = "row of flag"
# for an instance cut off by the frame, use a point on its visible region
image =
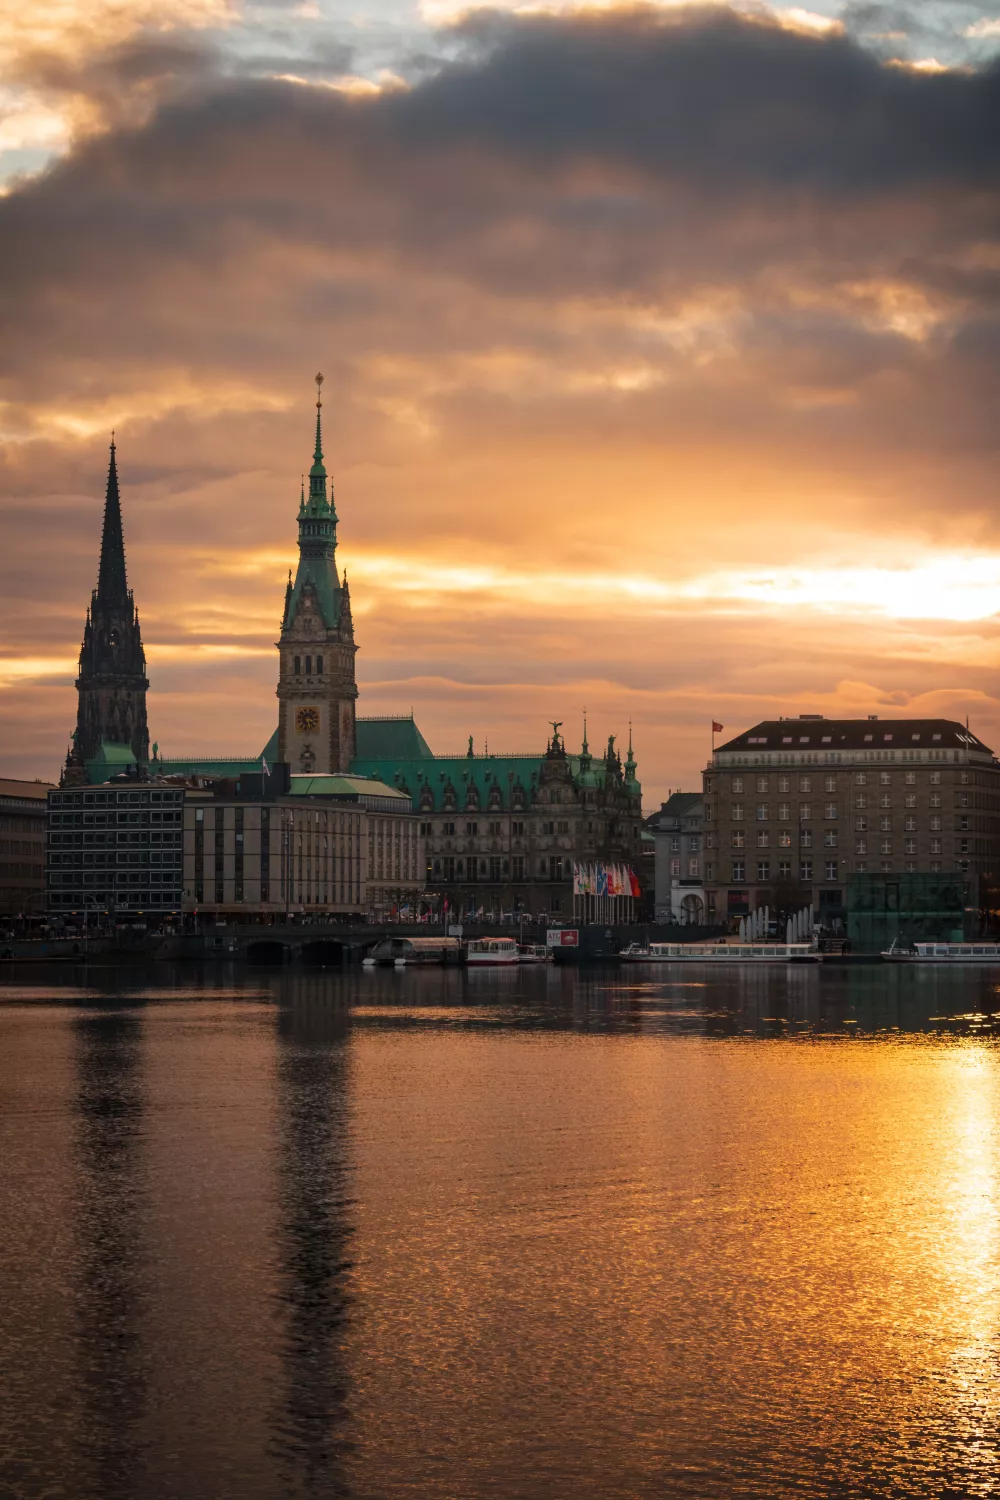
(599, 879)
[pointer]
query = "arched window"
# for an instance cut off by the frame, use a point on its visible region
(319, 666)
(298, 665)
(309, 666)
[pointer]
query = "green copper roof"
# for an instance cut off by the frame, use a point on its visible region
(391, 739)
(110, 760)
(344, 786)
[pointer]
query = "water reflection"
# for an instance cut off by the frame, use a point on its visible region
(112, 1259)
(314, 1233)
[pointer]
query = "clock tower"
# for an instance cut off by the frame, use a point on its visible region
(316, 685)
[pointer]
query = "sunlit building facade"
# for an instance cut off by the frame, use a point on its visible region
(792, 807)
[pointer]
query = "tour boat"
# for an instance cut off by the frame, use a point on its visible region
(403, 953)
(534, 953)
(944, 953)
(491, 950)
(722, 953)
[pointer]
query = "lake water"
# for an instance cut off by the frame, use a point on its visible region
(538, 1234)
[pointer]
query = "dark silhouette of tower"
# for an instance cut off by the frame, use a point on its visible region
(112, 682)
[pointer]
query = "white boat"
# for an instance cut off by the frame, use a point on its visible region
(534, 953)
(944, 953)
(722, 953)
(491, 950)
(403, 953)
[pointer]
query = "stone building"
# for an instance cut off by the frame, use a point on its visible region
(509, 833)
(794, 806)
(111, 685)
(316, 683)
(678, 829)
(340, 845)
(23, 810)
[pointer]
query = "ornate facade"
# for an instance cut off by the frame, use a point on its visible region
(317, 690)
(111, 706)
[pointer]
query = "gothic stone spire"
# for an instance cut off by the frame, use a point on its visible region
(112, 683)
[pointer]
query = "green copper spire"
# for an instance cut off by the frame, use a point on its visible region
(317, 539)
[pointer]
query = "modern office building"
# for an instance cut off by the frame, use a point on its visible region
(792, 807)
(115, 849)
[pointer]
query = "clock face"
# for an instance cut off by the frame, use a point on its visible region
(307, 720)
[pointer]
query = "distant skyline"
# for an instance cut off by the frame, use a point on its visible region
(661, 357)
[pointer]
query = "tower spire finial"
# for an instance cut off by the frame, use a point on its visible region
(318, 455)
(111, 580)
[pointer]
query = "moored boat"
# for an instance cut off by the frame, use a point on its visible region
(534, 953)
(404, 953)
(491, 950)
(944, 953)
(722, 953)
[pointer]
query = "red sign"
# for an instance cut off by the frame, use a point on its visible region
(563, 937)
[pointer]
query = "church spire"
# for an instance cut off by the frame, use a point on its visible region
(112, 586)
(318, 503)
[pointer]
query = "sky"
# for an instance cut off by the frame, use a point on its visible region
(660, 350)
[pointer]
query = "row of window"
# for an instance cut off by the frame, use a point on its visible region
(496, 867)
(805, 783)
(297, 666)
(112, 799)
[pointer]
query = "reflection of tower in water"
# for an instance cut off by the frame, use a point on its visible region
(313, 1234)
(112, 1250)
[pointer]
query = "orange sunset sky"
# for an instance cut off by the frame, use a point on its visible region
(661, 357)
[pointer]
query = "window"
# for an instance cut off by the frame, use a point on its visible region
(806, 870)
(830, 810)
(963, 777)
(784, 785)
(861, 800)
(963, 847)
(830, 870)
(494, 867)
(885, 800)
(762, 838)
(738, 838)
(739, 871)
(694, 842)
(963, 799)
(694, 867)
(885, 825)
(910, 778)
(496, 829)
(861, 846)
(448, 867)
(830, 838)
(884, 778)
(910, 800)
(763, 870)
(517, 867)
(517, 830)
(737, 783)
(862, 867)
(910, 824)
(763, 812)
(805, 783)
(309, 666)
(935, 825)
(710, 872)
(784, 869)
(556, 867)
(448, 829)
(830, 784)
(426, 829)
(963, 824)
(805, 838)
(935, 846)
(762, 783)
(805, 812)
(784, 812)
(885, 846)
(860, 778)
(675, 867)
(784, 839)
(909, 846)
(298, 666)
(471, 829)
(935, 799)
(935, 778)
(736, 812)
(319, 665)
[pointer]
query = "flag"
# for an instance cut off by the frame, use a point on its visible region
(633, 881)
(602, 881)
(264, 766)
(717, 728)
